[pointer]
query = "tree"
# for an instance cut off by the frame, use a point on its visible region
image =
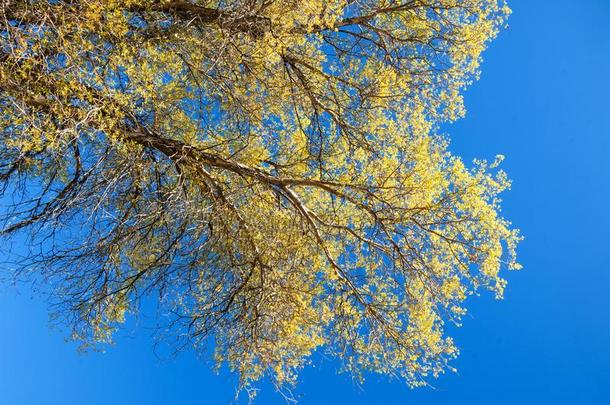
(270, 170)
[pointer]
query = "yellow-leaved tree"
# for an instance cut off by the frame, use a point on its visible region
(269, 170)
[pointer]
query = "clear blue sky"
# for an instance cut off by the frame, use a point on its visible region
(543, 102)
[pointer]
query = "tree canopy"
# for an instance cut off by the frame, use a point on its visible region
(270, 170)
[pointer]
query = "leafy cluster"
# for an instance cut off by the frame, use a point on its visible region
(268, 169)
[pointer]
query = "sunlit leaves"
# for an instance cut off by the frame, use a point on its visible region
(270, 171)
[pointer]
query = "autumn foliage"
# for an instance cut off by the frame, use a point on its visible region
(270, 171)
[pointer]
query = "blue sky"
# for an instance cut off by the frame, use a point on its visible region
(543, 102)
